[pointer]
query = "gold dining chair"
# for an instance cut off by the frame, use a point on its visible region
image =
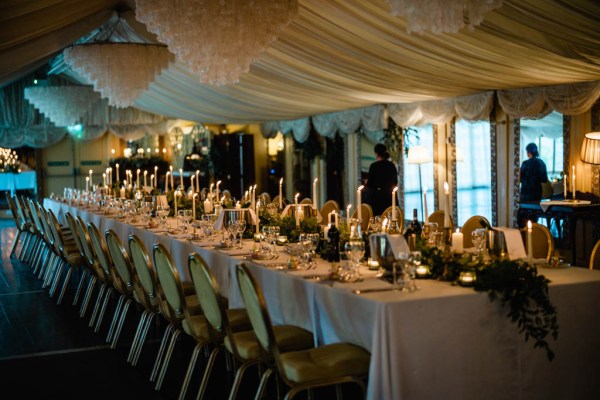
(21, 223)
(86, 274)
(474, 222)
(543, 242)
(438, 217)
(306, 200)
(329, 206)
(185, 309)
(595, 256)
(366, 214)
(329, 365)
(387, 213)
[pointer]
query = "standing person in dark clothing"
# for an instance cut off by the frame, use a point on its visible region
(382, 178)
(533, 173)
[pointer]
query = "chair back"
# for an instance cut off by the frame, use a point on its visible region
(276, 200)
(49, 237)
(306, 200)
(86, 243)
(143, 265)
(595, 256)
(168, 277)
(208, 293)
(72, 224)
(543, 242)
(56, 232)
(387, 213)
(119, 257)
(257, 310)
(35, 214)
(438, 217)
(366, 213)
(101, 251)
(19, 212)
(13, 210)
(30, 224)
(474, 222)
(329, 206)
(266, 196)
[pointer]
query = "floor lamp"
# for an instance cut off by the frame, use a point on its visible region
(419, 155)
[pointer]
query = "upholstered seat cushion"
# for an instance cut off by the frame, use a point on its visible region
(196, 326)
(238, 319)
(74, 259)
(288, 338)
(325, 362)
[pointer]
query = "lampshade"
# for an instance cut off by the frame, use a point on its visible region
(418, 155)
(590, 149)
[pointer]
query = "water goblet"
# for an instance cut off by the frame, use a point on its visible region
(375, 224)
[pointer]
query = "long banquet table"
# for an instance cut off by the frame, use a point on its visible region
(441, 341)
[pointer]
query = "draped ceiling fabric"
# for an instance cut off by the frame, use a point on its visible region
(337, 56)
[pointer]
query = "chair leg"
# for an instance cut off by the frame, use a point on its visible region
(165, 364)
(238, 378)
(99, 299)
(140, 345)
(119, 328)
(103, 309)
(138, 335)
(161, 350)
(65, 284)
(56, 279)
(264, 379)
(191, 365)
(116, 317)
(207, 372)
(87, 297)
(14, 245)
(79, 287)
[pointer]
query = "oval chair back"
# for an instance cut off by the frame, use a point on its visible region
(387, 213)
(72, 224)
(543, 242)
(57, 233)
(168, 278)
(366, 213)
(101, 252)
(48, 234)
(474, 222)
(120, 258)
(595, 256)
(306, 200)
(209, 295)
(143, 266)
(329, 206)
(86, 243)
(35, 214)
(438, 217)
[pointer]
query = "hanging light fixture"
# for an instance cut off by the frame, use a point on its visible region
(118, 71)
(63, 105)
(217, 40)
(442, 16)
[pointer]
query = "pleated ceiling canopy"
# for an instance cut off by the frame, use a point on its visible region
(335, 55)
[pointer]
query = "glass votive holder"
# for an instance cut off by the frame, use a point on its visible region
(281, 240)
(422, 271)
(372, 264)
(258, 237)
(467, 278)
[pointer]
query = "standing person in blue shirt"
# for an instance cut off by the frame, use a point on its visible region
(533, 173)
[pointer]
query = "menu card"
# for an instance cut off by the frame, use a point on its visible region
(514, 243)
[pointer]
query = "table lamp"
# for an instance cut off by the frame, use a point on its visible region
(590, 149)
(419, 155)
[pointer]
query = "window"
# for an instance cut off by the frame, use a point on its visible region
(547, 133)
(412, 188)
(473, 170)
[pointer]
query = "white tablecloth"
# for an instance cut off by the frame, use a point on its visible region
(21, 181)
(442, 341)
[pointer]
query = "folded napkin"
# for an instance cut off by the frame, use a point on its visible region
(221, 218)
(157, 230)
(514, 243)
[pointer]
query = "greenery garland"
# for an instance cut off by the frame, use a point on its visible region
(515, 284)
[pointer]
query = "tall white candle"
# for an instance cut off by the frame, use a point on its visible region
(198, 180)
(192, 185)
(426, 214)
(181, 179)
(194, 204)
(348, 213)
(281, 194)
(172, 182)
(218, 183)
(253, 204)
(359, 202)
(104, 179)
(210, 192)
(87, 183)
(394, 215)
(208, 206)
(296, 209)
(152, 181)
(446, 205)
(529, 242)
(155, 176)
(145, 178)
(91, 181)
(117, 176)
(137, 180)
(457, 241)
(315, 193)
(257, 219)
(167, 182)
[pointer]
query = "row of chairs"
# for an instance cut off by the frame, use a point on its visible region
(246, 337)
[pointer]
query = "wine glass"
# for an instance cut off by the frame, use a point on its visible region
(162, 210)
(187, 219)
(355, 251)
(478, 238)
(240, 227)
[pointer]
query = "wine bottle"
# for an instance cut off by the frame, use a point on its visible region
(333, 241)
(415, 225)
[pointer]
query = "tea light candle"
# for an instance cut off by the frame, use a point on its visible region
(466, 278)
(372, 264)
(359, 202)
(529, 242)
(457, 241)
(422, 271)
(281, 194)
(167, 182)
(194, 205)
(207, 206)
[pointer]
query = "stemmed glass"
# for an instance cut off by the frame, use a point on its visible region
(355, 251)
(240, 227)
(187, 219)
(162, 210)
(313, 241)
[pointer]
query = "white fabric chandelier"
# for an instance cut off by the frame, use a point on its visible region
(63, 105)
(442, 16)
(118, 71)
(217, 40)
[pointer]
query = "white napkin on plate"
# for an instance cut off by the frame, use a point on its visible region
(514, 243)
